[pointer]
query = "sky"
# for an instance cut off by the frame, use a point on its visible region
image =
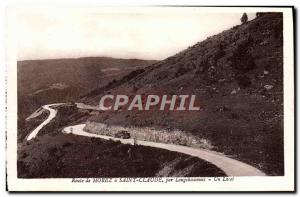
(142, 33)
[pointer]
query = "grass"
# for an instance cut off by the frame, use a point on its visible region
(68, 156)
(25, 127)
(150, 134)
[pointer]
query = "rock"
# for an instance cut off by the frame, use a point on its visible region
(268, 87)
(233, 92)
(211, 69)
(263, 43)
(266, 72)
(222, 109)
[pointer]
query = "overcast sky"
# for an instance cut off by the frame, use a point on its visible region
(148, 33)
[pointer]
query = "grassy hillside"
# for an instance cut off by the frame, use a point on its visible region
(71, 156)
(53, 154)
(236, 75)
(61, 80)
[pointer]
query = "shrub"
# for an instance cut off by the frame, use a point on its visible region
(241, 59)
(259, 14)
(219, 53)
(244, 18)
(181, 71)
(243, 81)
(243, 63)
(150, 134)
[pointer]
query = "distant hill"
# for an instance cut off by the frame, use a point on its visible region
(61, 80)
(238, 77)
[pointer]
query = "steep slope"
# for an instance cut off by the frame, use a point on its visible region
(236, 75)
(58, 157)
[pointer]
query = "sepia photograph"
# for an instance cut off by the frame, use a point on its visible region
(150, 99)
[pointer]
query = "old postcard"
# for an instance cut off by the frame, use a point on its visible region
(150, 99)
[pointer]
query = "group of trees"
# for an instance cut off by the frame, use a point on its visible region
(244, 18)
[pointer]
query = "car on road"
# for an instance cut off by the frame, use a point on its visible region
(122, 134)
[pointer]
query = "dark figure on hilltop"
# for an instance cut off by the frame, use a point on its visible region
(258, 14)
(244, 18)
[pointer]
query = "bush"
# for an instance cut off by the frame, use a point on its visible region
(243, 81)
(181, 71)
(244, 18)
(241, 59)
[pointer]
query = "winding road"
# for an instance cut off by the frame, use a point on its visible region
(230, 166)
(52, 114)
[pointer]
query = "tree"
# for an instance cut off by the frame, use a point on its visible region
(244, 18)
(258, 14)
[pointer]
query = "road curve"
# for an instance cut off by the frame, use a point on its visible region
(52, 114)
(231, 167)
